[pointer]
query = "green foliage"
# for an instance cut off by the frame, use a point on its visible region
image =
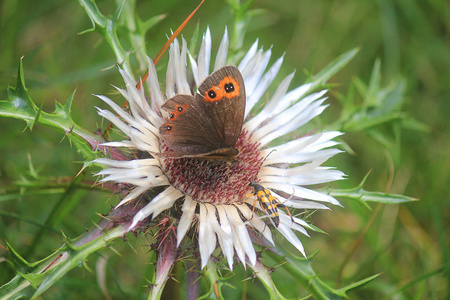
(302, 269)
(363, 196)
(393, 99)
(43, 274)
(20, 106)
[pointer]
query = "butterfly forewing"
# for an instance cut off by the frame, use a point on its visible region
(209, 123)
(228, 106)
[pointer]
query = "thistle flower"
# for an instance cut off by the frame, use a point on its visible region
(213, 195)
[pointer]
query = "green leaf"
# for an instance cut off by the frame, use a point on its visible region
(332, 68)
(301, 269)
(379, 106)
(43, 274)
(242, 15)
(372, 196)
(360, 194)
(194, 39)
(94, 14)
(17, 288)
(152, 22)
(19, 105)
(358, 284)
(108, 29)
(372, 98)
(19, 262)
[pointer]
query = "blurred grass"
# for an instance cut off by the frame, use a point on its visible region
(412, 39)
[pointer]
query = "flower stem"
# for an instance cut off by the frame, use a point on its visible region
(167, 255)
(192, 282)
(43, 274)
(263, 273)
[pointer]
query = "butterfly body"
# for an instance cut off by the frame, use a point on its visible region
(208, 124)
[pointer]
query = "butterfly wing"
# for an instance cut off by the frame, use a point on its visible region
(223, 96)
(188, 130)
(209, 123)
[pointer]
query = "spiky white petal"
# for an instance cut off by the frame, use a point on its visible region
(221, 57)
(253, 71)
(287, 232)
(188, 210)
(226, 244)
(263, 84)
(248, 56)
(161, 202)
(206, 237)
(153, 84)
(204, 56)
(241, 233)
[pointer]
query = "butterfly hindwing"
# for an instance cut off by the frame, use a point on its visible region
(184, 131)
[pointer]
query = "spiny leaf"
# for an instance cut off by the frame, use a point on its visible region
(76, 255)
(94, 14)
(358, 193)
(332, 68)
(19, 262)
(11, 291)
(152, 22)
(358, 284)
(263, 273)
(34, 279)
(19, 105)
(301, 269)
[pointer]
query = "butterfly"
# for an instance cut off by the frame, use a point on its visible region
(208, 124)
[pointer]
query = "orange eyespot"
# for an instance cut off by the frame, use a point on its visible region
(179, 110)
(227, 88)
(211, 94)
(169, 128)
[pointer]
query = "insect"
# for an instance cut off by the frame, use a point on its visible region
(268, 202)
(208, 124)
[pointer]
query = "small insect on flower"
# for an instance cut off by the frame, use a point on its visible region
(268, 202)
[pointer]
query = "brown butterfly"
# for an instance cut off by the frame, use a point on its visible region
(208, 124)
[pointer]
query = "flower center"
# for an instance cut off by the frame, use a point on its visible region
(216, 181)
